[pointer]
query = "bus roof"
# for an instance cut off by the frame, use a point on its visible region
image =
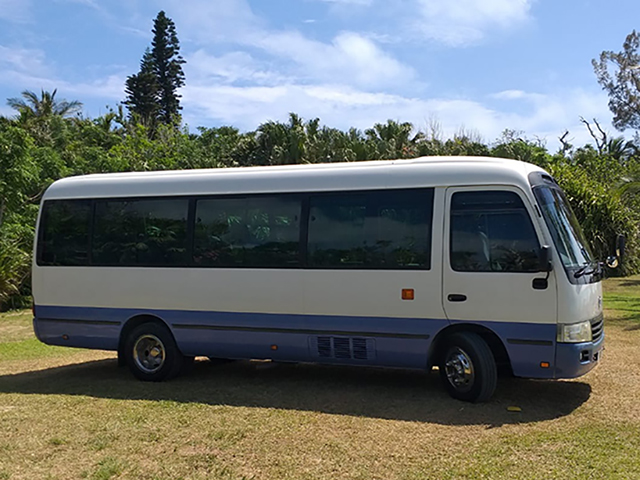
(412, 173)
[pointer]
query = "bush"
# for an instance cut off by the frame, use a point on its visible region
(603, 215)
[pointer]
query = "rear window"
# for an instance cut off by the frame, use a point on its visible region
(64, 235)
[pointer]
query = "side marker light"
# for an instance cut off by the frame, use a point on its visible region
(408, 294)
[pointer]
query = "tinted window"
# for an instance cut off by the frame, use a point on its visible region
(386, 229)
(65, 235)
(260, 231)
(491, 232)
(140, 232)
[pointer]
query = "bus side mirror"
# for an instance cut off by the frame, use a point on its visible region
(621, 243)
(544, 257)
(614, 260)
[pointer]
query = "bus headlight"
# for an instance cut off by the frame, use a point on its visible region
(574, 332)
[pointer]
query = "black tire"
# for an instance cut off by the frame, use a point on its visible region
(467, 368)
(122, 361)
(152, 354)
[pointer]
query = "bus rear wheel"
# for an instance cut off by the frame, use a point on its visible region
(467, 368)
(152, 354)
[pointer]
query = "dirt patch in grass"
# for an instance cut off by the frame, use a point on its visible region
(15, 326)
(82, 416)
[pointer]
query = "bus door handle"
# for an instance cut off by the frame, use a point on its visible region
(456, 297)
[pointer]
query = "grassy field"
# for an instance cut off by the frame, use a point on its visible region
(68, 413)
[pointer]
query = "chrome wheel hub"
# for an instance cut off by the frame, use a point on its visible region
(459, 369)
(149, 353)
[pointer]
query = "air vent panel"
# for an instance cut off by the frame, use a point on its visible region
(343, 348)
(324, 347)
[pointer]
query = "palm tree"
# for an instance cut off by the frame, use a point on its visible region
(629, 187)
(394, 139)
(620, 149)
(45, 106)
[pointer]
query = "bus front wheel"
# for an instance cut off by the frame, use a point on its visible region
(467, 368)
(152, 354)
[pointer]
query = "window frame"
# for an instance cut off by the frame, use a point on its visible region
(305, 200)
(528, 208)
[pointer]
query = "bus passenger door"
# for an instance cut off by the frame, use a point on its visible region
(491, 271)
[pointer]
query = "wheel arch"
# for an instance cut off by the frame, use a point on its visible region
(130, 325)
(495, 343)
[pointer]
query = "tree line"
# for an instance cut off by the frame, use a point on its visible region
(48, 138)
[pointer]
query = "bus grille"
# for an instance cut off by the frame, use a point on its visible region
(344, 348)
(597, 327)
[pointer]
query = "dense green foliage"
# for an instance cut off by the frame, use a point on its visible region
(36, 150)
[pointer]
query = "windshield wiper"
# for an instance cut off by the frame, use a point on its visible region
(588, 269)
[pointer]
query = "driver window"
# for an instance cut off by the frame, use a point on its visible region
(491, 231)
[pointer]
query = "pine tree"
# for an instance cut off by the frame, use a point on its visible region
(152, 92)
(143, 92)
(167, 64)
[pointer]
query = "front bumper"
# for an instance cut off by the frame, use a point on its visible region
(576, 359)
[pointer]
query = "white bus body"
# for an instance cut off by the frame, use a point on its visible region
(408, 263)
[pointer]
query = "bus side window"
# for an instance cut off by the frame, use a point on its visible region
(141, 232)
(64, 240)
(387, 229)
(491, 231)
(261, 231)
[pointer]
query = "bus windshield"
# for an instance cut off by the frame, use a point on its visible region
(566, 232)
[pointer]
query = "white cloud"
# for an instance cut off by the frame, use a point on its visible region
(509, 95)
(18, 11)
(27, 69)
(25, 60)
(461, 22)
(364, 3)
(336, 105)
(542, 116)
(452, 22)
(549, 115)
(87, 3)
(110, 87)
(236, 66)
(219, 21)
(349, 58)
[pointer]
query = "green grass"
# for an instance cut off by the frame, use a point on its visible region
(622, 299)
(31, 349)
(86, 418)
(108, 468)
(17, 341)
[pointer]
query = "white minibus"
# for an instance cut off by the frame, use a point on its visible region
(471, 265)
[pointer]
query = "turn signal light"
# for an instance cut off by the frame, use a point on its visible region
(407, 294)
(545, 364)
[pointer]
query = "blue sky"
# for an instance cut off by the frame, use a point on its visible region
(475, 65)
